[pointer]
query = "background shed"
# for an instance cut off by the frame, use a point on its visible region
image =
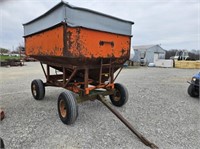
(148, 53)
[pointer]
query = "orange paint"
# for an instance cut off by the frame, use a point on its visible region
(80, 42)
(49, 42)
(86, 43)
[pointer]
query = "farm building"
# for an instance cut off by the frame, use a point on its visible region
(146, 54)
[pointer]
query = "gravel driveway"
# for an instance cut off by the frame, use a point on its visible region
(158, 107)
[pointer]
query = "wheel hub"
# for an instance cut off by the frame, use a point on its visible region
(117, 95)
(34, 90)
(62, 108)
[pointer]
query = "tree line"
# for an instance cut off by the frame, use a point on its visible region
(17, 50)
(193, 55)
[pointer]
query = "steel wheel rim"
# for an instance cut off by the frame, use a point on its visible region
(34, 90)
(62, 109)
(117, 96)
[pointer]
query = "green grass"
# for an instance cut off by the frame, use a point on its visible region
(5, 57)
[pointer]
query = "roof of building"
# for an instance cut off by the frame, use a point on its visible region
(143, 47)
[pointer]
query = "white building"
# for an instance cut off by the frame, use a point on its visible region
(146, 54)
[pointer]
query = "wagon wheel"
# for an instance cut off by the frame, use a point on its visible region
(2, 146)
(192, 91)
(120, 97)
(38, 89)
(67, 108)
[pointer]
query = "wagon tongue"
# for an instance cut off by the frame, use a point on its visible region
(139, 135)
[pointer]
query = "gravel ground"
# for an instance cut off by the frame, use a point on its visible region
(158, 107)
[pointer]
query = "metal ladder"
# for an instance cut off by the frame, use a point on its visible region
(104, 65)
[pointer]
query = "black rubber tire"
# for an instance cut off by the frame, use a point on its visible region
(121, 95)
(38, 89)
(67, 108)
(192, 91)
(2, 146)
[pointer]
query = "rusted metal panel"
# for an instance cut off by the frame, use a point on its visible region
(83, 42)
(80, 43)
(76, 17)
(48, 43)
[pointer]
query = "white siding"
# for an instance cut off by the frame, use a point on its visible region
(149, 57)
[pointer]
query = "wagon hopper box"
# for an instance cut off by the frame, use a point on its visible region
(79, 41)
(87, 48)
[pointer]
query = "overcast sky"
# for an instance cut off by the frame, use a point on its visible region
(171, 23)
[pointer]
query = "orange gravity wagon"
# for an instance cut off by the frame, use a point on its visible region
(85, 48)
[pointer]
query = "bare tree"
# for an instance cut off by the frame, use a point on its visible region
(193, 54)
(3, 50)
(170, 53)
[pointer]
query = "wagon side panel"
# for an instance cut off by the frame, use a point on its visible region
(46, 43)
(83, 42)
